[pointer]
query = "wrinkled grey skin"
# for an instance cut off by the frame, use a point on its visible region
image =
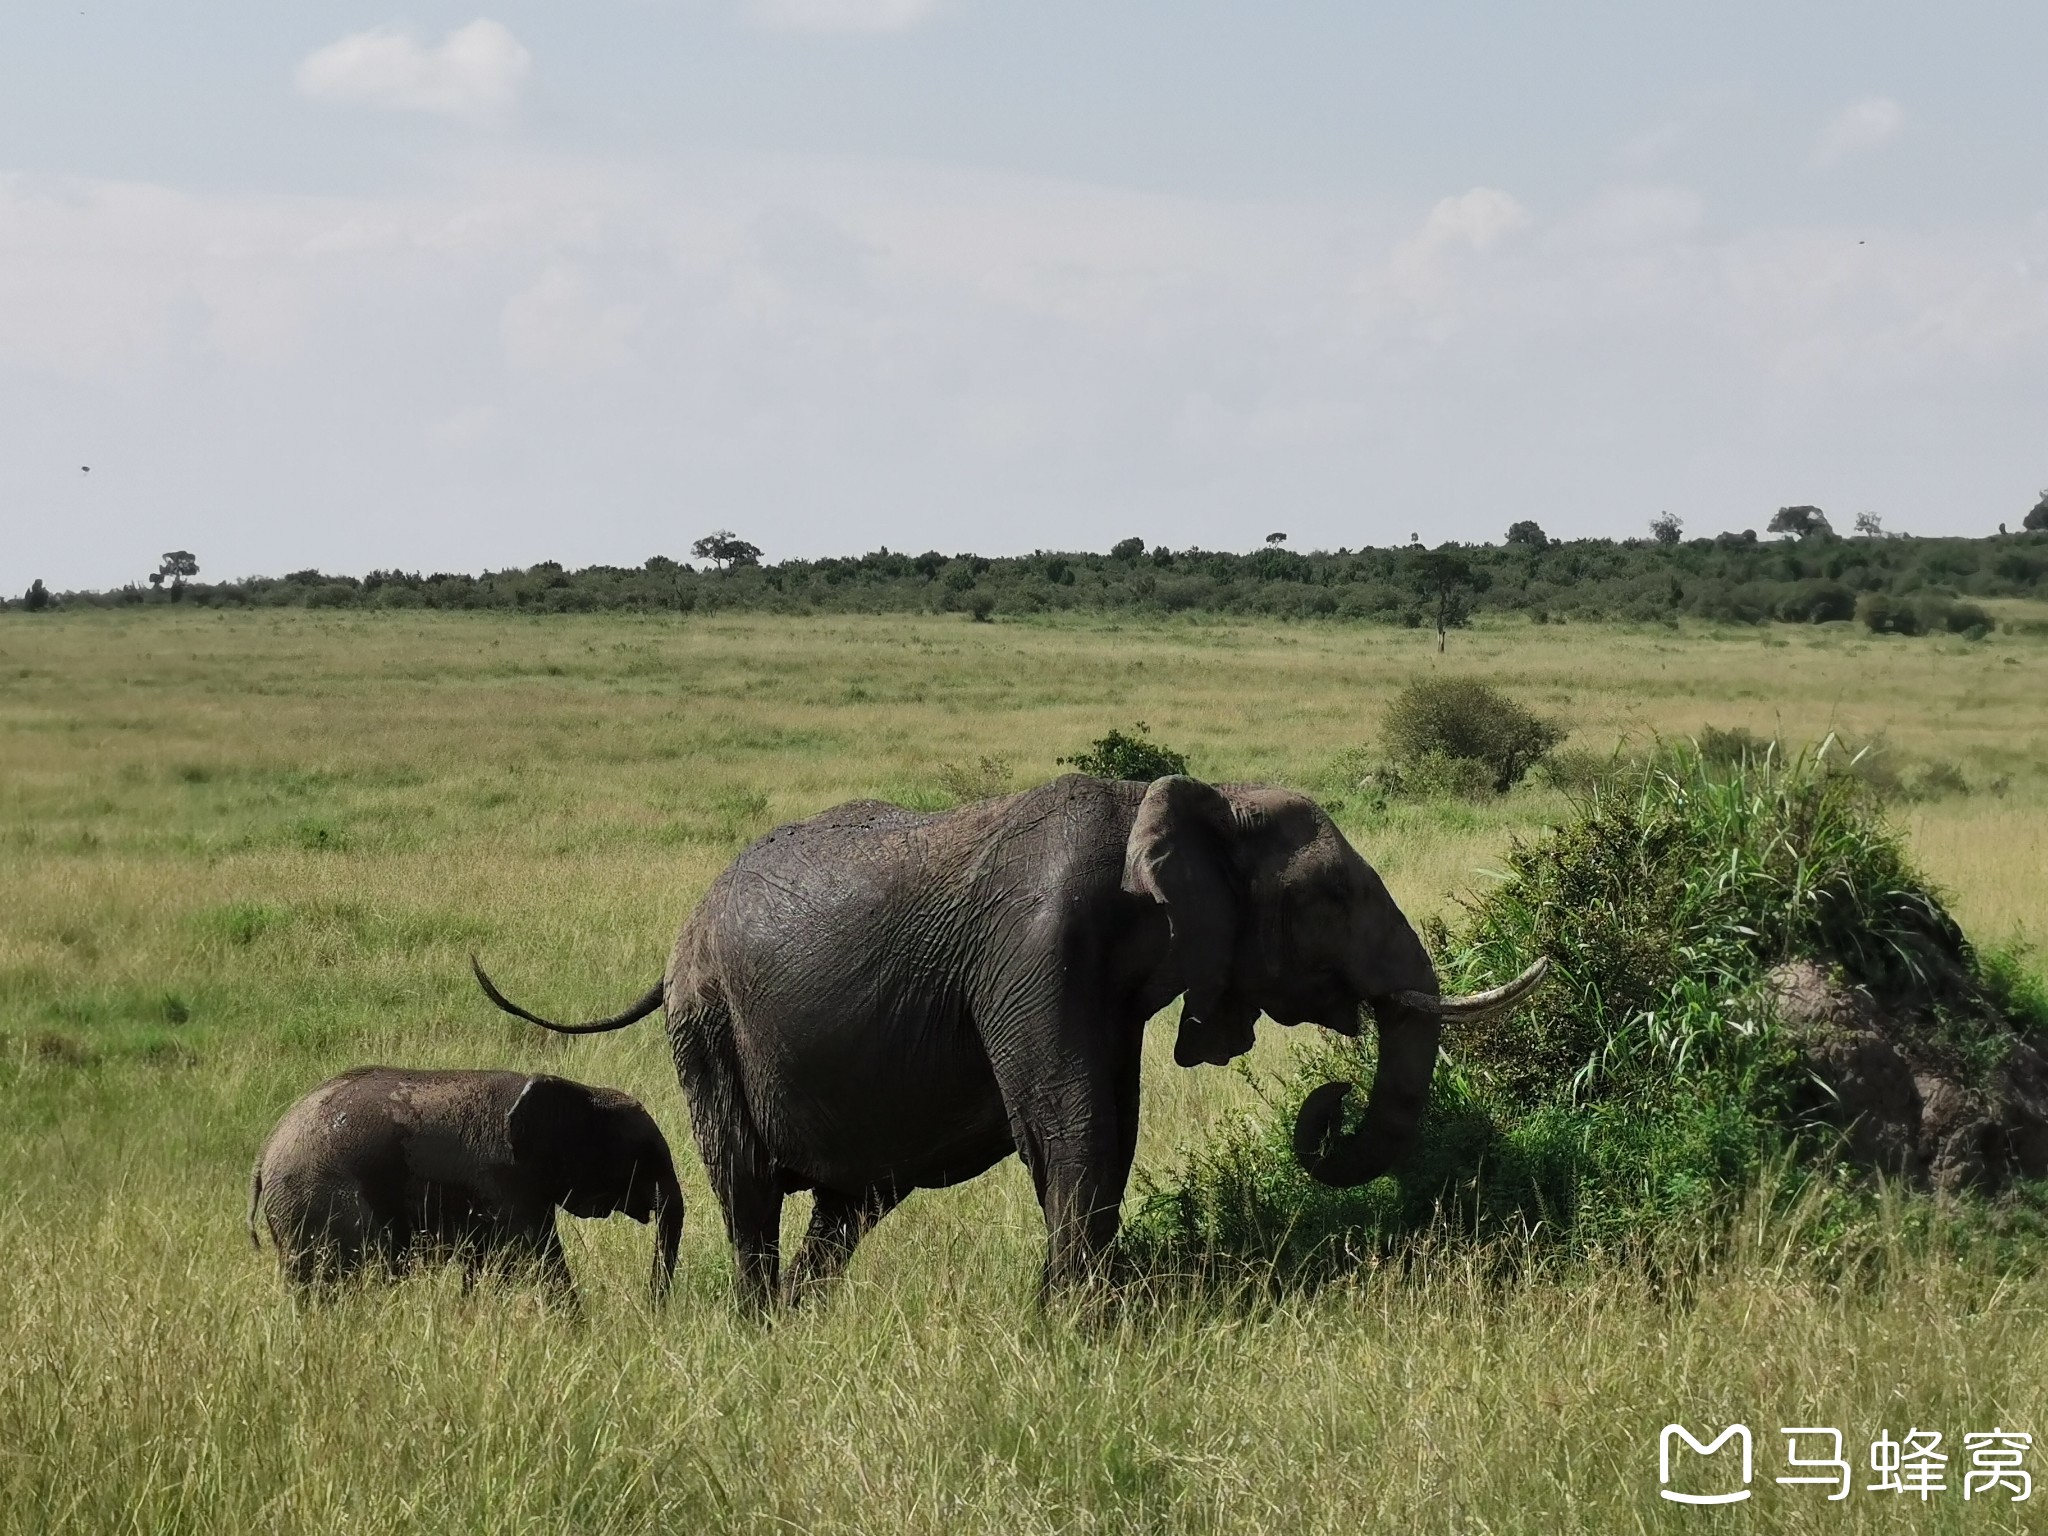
(382, 1166)
(876, 1000)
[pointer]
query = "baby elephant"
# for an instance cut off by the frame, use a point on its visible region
(382, 1165)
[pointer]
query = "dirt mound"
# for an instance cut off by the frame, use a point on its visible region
(1906, 1105)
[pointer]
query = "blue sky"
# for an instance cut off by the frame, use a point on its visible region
(349, 286)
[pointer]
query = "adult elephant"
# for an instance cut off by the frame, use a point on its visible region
(877, 1000)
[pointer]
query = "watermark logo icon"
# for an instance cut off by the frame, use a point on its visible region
(1736, 1432)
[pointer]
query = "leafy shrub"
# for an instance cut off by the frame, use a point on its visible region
(1117, 756)
(1464, 720)
(1647, 1080)
(1888, 615)
(1434, 776)
(1938, 780)
(1578, 770)
(2014, 989)
(1732, 747)
(1883, 614)
(1817, 602)
(1962, 619)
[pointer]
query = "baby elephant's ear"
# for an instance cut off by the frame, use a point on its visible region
(547, 1121)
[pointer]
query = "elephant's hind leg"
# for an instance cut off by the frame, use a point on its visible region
(323, 1237)
(838, 1223)
(742, 1171)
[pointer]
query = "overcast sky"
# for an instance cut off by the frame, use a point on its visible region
(342, 285)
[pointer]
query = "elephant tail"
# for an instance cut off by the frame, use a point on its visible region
(633, 1015)
(255, 1201)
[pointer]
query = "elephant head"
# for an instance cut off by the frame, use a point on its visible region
(596, 1151)
(1273, 912)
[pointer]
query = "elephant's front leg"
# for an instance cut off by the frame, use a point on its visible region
(1076, 1126)
(540, 1247)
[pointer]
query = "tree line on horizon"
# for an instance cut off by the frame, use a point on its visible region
(1806, 574)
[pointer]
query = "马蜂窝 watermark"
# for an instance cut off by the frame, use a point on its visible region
(1993, 1463)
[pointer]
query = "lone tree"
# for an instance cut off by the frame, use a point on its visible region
(177, 564)
(2037, 520)
(1527, 535)
(1869, 526)
(1127, 549)
(1276, 538)
(38, 597)
(1447, 584)
(1665, 528)
(726, 549)
(1803, 522)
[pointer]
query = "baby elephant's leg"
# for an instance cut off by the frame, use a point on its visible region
(544, 1251)
(325, 1237)
(532, 1247)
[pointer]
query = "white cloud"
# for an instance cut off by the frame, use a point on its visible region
(475, 73)
(1420, 273)
(1476, 220)
(840, 15)
(556, 326)
(1859, 127)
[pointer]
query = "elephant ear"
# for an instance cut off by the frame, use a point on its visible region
(550, 1126)
(1183, 852)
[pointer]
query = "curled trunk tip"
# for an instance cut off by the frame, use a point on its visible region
(1400, 1093)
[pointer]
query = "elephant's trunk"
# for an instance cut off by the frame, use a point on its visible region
(1400, 1091)
(668, 1231)
(1410, 1023)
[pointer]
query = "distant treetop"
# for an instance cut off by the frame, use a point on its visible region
(1665, 528)
(1527, 535)
(726, 549)
(1730, 578)
(1803, 522)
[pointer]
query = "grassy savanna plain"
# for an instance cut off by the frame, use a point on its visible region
(241, 852)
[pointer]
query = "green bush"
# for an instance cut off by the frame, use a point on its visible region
(1732, 747)
(1647, 1080)
(1578, 770)
(1817, 602)
(1434, 776)
(1888, 615)
(1117, 756)
(1884, 614)
(1463, 720)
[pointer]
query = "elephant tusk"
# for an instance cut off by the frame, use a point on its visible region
(1477, 1005)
